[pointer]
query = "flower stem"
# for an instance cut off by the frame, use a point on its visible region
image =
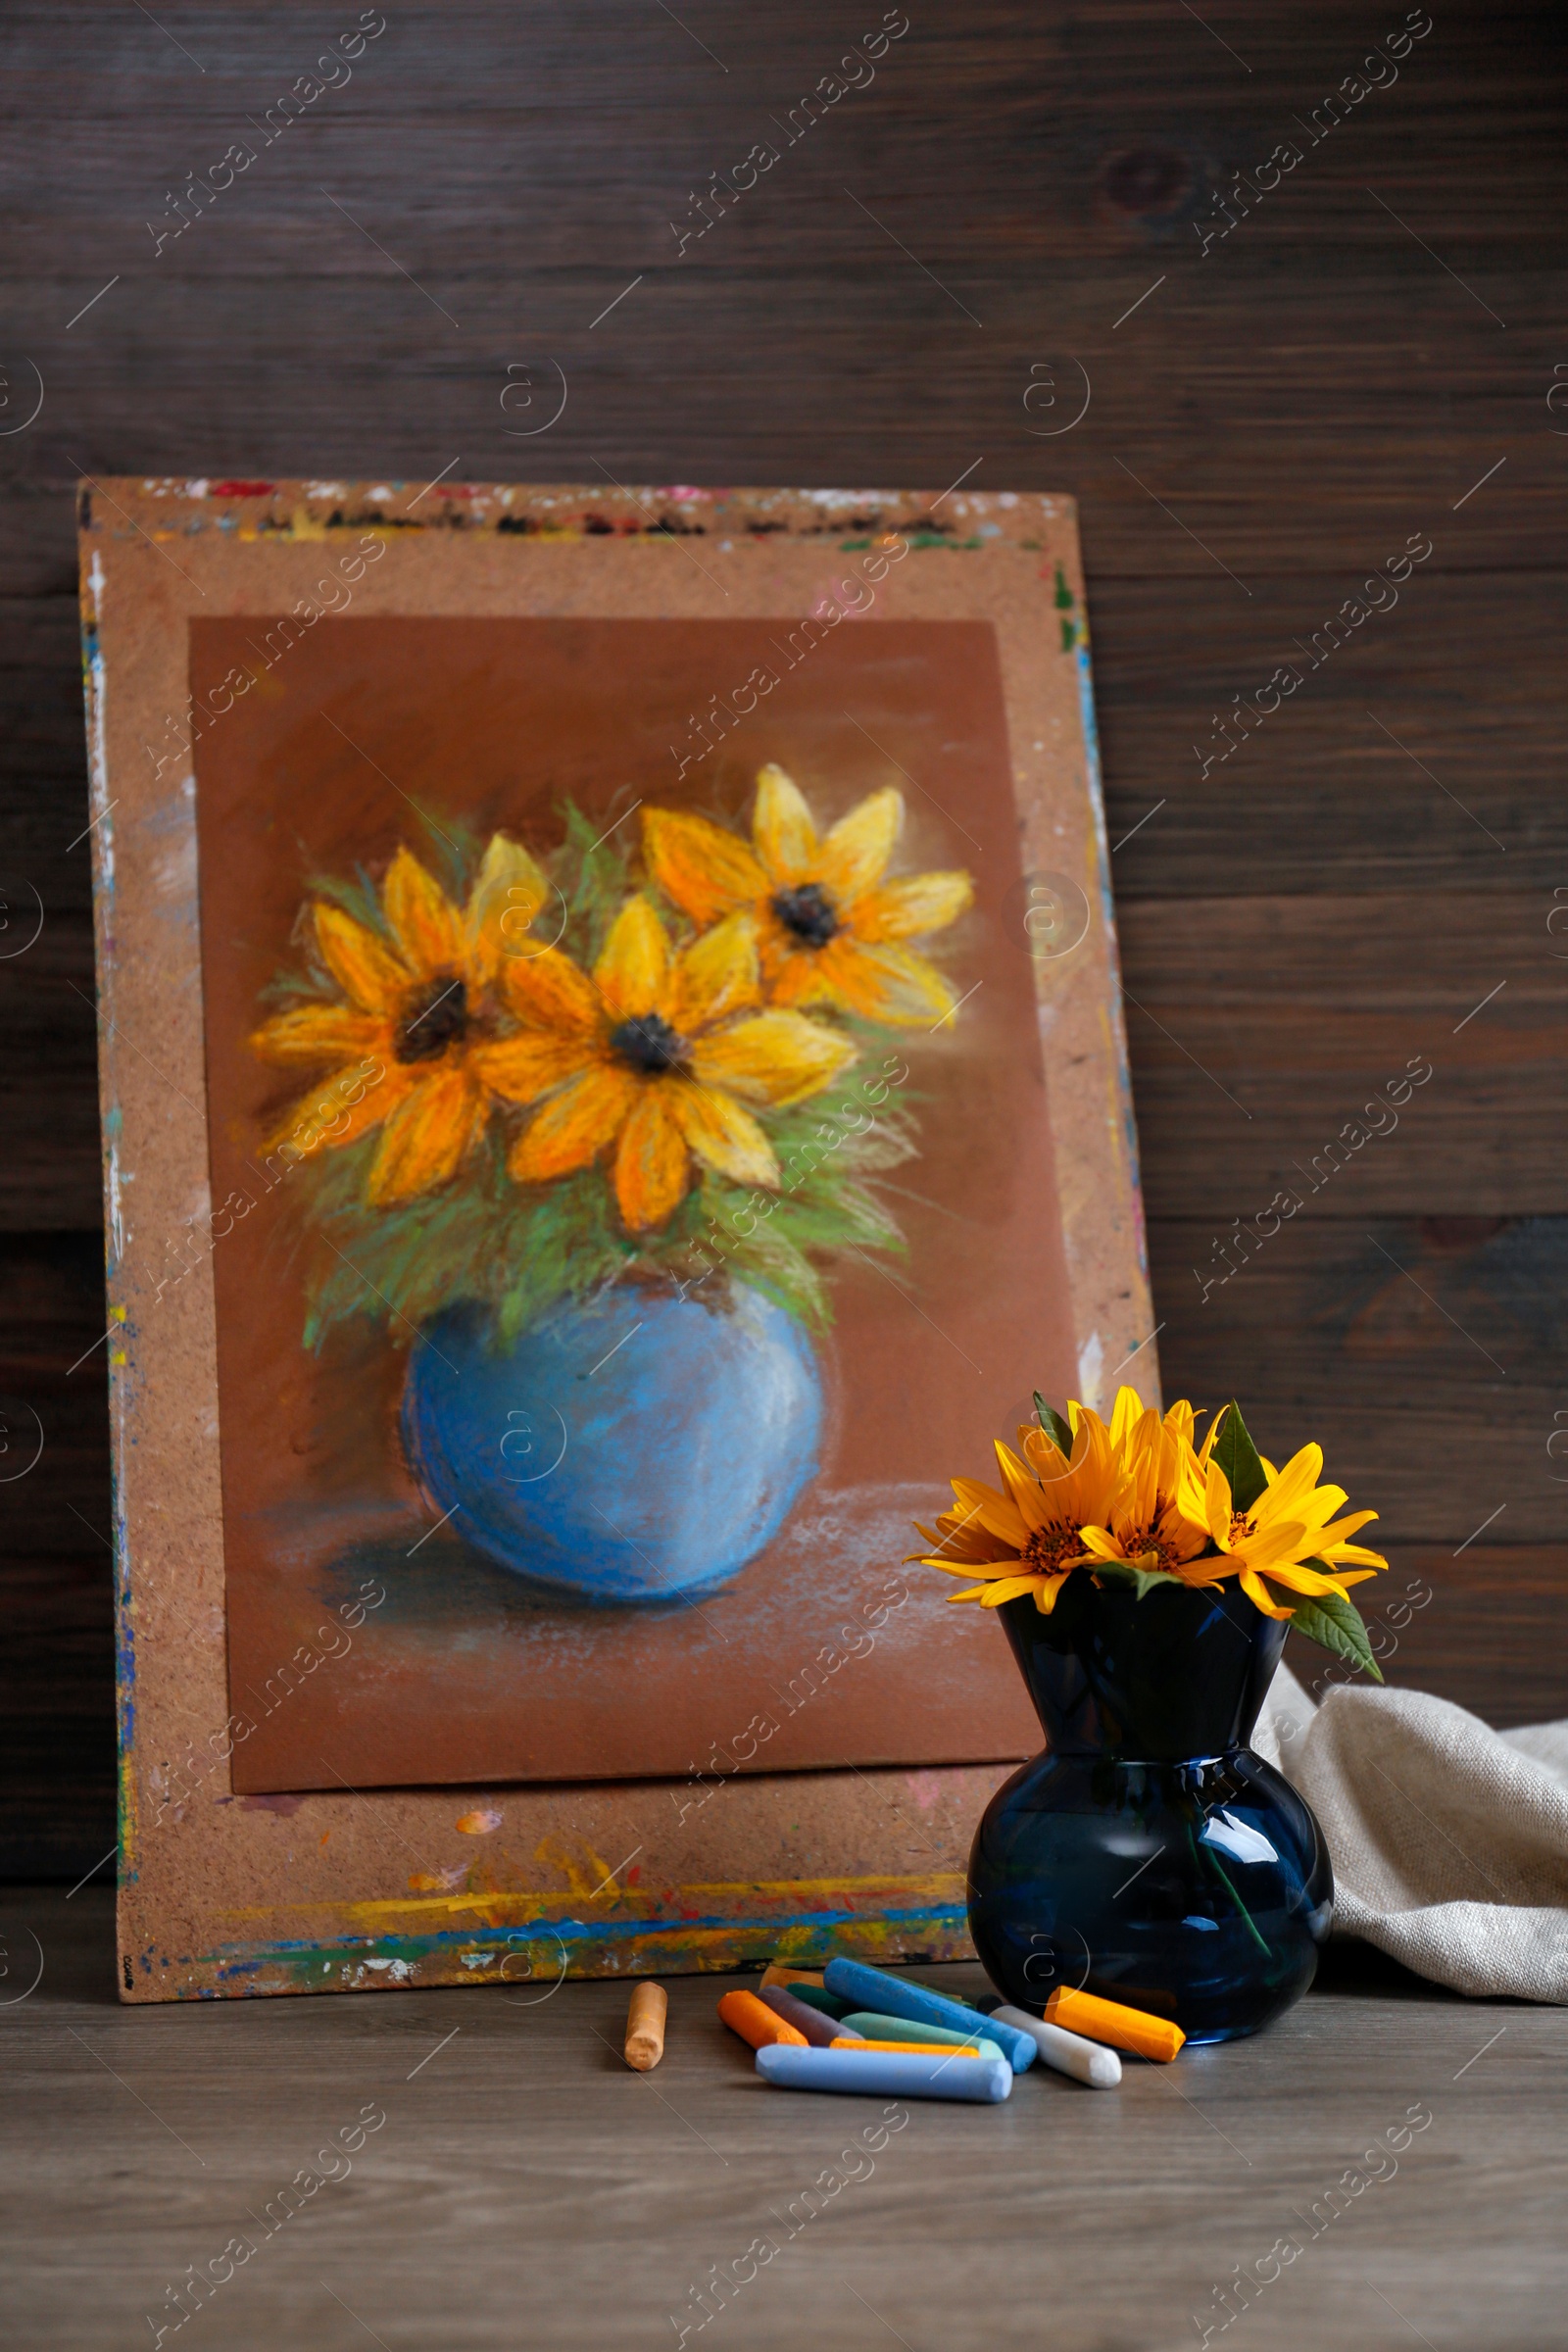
(1219, 1869)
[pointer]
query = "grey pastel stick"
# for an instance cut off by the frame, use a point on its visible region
(1069, 2053)
(819, 2031)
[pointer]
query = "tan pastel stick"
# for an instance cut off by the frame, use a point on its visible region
(645, 2026)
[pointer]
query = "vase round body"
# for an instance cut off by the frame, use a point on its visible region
(1146, 1854)
(634, 1449)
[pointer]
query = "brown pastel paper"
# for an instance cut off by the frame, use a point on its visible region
(470, 1783)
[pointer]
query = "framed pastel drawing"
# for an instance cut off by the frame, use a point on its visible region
(612, 1078)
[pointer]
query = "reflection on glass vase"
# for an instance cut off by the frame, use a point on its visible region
(1146, 1854)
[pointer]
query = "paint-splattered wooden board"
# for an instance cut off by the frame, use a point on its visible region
(332, 1887)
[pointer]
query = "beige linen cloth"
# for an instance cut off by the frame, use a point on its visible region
(1449, 1840)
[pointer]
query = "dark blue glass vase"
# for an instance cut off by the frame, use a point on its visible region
(1146, 1854)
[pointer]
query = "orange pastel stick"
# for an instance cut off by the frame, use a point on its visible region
(1108, 2021)
(778, 1971)
(755, 2022)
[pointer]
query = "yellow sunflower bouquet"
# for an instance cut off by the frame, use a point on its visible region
(1138, 1502)
(530, 1075)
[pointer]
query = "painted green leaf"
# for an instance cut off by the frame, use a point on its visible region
(1336, 1625)
(1057, 1430)
(1237, 1456)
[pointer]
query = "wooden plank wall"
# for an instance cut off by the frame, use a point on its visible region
(1024, 198)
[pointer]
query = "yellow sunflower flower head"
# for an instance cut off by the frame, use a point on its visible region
(402, 1043)
(830, 928)
(1290, 1523)
(1138, 1493)
(1157, 1518)
(655, 1056)
(1029, 1538)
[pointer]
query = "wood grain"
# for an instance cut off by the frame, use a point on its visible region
(514, 2165)
(1478, 1627)
(1272, 419)
(1267, 1026)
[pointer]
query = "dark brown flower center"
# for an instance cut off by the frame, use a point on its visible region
(649, 1045)
(807, 915)
(1142, 1544)
(1241, 1527)
(1050, 1549)
(438, 1017)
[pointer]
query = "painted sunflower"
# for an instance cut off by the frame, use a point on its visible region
(415, 1013)
(830, 929)
(656, 1054)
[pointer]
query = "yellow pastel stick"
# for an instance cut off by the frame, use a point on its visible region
(776, 1973)
(922, 2049)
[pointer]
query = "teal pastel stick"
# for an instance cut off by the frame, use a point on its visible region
(884, 2075)
(872, 2028)
(815, 1996)
(896, 1996)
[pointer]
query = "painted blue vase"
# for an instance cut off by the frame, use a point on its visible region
(1146, 1854)
(639, 1447)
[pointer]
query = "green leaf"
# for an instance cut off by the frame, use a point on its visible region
(1059, 1431)
(1237, 1456)
(450, 850)
(593, 872)
(1336, 1625)
(1143, 1580)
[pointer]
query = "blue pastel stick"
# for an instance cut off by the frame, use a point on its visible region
(895, 1996)
(884, 2075)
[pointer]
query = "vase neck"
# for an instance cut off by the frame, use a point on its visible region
(1178, 1676)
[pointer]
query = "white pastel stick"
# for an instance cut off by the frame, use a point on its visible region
(1069, 2053)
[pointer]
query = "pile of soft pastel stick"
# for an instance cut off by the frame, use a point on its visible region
(851, 2028)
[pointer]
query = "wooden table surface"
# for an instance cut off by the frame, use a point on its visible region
(522, 2187)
